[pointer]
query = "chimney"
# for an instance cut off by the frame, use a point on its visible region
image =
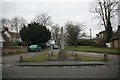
(4, 29)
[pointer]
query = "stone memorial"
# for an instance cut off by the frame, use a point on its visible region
(62, 54)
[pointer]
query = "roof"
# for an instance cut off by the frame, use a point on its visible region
(116, 35)
(13, 34)
(102, 32)
(5, 38)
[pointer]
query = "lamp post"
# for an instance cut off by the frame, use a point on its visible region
(90, 37)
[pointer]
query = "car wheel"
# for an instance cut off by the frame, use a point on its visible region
(37, 50)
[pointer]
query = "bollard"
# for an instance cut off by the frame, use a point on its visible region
(20, 58)
(52, 53)
(48, 56)
(72, 54)
(76, 56)
(105, 57)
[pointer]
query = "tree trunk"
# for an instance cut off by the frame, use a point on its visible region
(108, 32)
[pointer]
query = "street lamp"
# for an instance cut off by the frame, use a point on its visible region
(90, 37)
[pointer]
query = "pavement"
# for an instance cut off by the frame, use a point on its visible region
(60, 63)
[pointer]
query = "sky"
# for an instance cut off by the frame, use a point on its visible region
(60, 11)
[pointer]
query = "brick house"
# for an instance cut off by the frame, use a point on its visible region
(100, 39)
(115, 40)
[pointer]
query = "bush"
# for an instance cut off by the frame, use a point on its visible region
(99, 45)
(84, 42)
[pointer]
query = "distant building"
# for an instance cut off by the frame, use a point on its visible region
(115, 40)
(100, 39)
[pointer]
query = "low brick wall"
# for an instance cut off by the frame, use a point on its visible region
(10, 50)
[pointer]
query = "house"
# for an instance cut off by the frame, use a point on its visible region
(14, 36)
(50, 42)
(10, 36)
(100, 39)
(115, 40)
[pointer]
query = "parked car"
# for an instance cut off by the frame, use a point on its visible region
(34, 47)
(48, 45)
(54, 46)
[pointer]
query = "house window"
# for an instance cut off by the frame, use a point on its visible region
(102, 35)
(115, 42)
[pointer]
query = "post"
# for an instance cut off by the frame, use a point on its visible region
(105, 58)
(21, 58)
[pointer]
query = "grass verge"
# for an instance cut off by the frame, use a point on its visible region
(89, 58)
(44, 57)
(38, 58)
(93, 49)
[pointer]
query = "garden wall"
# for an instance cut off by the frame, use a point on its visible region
(10, 50)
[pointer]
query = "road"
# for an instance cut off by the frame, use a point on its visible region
(60, 72)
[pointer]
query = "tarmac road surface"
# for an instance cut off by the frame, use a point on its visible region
(60, 72)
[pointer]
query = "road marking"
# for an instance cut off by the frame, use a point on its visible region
(8, 65)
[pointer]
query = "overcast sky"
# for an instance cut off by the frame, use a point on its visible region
(59, 10)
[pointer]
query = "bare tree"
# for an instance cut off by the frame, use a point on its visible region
(43, 19)
(106, 10)
(73, 32)
(5, 23)
(17, 23)
(56, 33)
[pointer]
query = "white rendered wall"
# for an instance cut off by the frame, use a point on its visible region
(119, 13)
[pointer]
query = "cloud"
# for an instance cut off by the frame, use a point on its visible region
(59, 10)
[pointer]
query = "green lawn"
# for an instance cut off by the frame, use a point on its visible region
(93, 49)
(38, 58)
(44, 57)
(89, 58)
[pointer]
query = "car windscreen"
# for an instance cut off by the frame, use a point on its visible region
(33, 46)
(55, 46)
